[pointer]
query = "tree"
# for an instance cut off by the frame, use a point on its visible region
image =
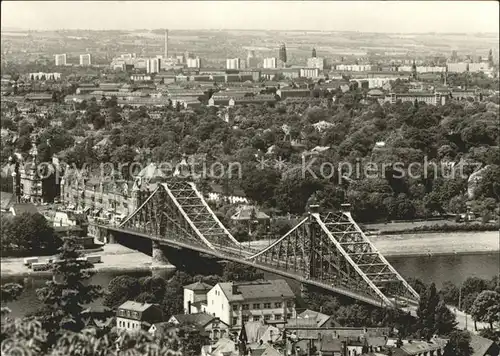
(65, 296)
(28, 338)
(192, 340)
(28, 234)
(426, 311)
(121, 289)
(9, 293)
(237, 272)
(445, 320)
(486, 307)
(450, 293)
(458, 344)
(260, 185)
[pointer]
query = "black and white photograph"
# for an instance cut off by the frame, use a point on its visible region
(250, 178)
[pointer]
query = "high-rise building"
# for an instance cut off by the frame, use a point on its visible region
(193, 62)
(270, 63)
(85, 59)
(153, 65)
(316, 62)
(252, 60)
(233, 63)
(282, 53)
(454, 56)
(313, 53)
(60, 59)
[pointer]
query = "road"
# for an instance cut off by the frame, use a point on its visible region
(461, 319)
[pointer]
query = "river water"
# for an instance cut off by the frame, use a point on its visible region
(438, 269)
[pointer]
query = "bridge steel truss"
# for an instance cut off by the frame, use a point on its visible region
(329, 250)
(333, 251)
(177, 211)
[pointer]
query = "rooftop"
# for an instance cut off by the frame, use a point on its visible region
(198, 286)
(257, 290)
(135, 306)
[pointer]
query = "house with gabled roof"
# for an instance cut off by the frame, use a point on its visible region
(195, 297)
(236, 303)
(134, 316)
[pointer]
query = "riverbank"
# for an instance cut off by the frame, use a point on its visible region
(425, 244)
(441, 226)
(437, 244)
(114, 257)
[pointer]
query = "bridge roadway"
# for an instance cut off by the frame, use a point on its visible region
(241, 255)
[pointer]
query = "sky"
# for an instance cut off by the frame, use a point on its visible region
(363, 16)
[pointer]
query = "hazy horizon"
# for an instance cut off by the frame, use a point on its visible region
(409, 17)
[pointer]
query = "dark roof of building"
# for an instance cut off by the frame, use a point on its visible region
(318, 317)
(21, 208)
(479, 345)
(257, 290)
(330, 344)
(198, 286)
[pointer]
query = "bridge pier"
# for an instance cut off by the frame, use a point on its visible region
(304, 293)
(159, 258)
(110, 238)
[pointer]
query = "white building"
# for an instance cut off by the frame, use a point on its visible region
(195, 297)
(430, 69)
(132, 316)
(309, 72)
(479, 67)
(236, 303)
(153, 65)
(233, 63)
(374, 82)
(270, 63)
(41, 75)
(461, 67)
(316, 62)
(354, 67)
(60, 59)
(193, 62)
(85, 59)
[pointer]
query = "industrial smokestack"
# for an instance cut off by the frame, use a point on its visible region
(166, 45)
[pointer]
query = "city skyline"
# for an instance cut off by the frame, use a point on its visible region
(373, 16)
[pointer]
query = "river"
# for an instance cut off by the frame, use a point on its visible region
(438, 269)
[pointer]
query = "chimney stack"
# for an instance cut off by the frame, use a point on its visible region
(166, 45)
(234, 288)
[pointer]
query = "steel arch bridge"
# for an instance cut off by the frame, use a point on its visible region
(324, 250)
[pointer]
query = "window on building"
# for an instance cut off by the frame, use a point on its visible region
(245, 306)
(289, 316)
(235, 320)
(128, 325)
(235, 307)
(256, 318)
(267, 305)
(121, 312)
(289, 304)
(136, 315)
(278, 316)
(267, 317)
(277, 305)
(256, 306)
(245, 318)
